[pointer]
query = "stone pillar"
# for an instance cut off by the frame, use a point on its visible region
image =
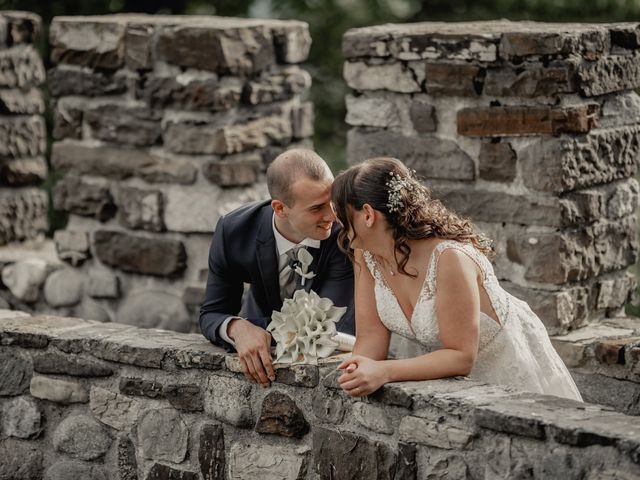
(162, 125)
(531, 130)
(23, 206)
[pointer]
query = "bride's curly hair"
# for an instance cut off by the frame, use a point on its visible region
(410, 211)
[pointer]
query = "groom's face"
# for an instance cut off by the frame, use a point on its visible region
(311, 214)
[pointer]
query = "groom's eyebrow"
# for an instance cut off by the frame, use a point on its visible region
(315, 206)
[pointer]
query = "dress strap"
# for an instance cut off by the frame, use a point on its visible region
(468, 249)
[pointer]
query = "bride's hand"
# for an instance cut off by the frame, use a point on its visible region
(362, 375)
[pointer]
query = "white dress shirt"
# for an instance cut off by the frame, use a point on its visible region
(282, 247)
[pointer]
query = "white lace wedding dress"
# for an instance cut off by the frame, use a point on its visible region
(516, 352)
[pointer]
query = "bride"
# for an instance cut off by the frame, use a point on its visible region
(423, 273)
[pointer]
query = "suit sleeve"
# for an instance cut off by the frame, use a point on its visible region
(337, 284)
(223, 294)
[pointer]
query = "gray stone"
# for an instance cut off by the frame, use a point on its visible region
(611, 73)
(125, 125)
(276, 85)
(281, 415)
(67, 118)
(81, 437)
(453, 79)
(96, 44)
(126, 458)
(22, 136)
(303, 375)
(328, 406)
(20, 460)
(23, 214)
(426, 432)
(340, 454)
(23, 171)
(188, 398)
(423, 117)
(24, 278)
(140, 208)
(533, 80)
(91, 310)
(22, 27)
(604, 390)
(169, 171)
(21, 67)
(621, 108)
(163, 472)
(380, 110)
(56, 362)
(111, 408)
(141, 387)
(211, 456)
(84, 196)
(302, 119)
(155, 309)
(16, 370)
(222, 48)
(497, 162)
(59, 391)
(66, 80)
(21, 102)
(72, 246)
(66, 469)
(163, 435)
(193, 295)
(267, 462)
(534, 40)
(292, 41)
(64, 288)
(103, 285)
(138, 254)
(138, 51)
(110, 162)
(372, 417)
(229, 400)
(430, 157)
(394, 77)
(21, 418)
(233, 172)
(204, 356)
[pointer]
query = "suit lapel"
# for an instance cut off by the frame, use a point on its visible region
(267, 259)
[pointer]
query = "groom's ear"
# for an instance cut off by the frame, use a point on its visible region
(278, 207)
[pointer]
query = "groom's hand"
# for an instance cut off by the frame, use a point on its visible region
(254, 349)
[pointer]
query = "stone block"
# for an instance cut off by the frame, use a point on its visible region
(159, 471)
(23, 214)
(138, 254)
(24, 278)
(23, 330)
(64, 288)
(423, 117)
(229, 400)
(302, 118)
(189, 137)
(155, 309)
(497, 162)
(22, 136)
(211, 456)
(391, 110)
(22, 418)
(268, 462)
(84, 196)
(604, 390)
(112, 409)
(66, 80)
(163, 435)
(193, 295)
(187, 398)
(21, 460)
(55, 362)
(280, 415)
(103, 285)
(329, 406)
(292, 41)
(169, 170)
(276, 85)
(22, 27)
(612, 351)
(531, 80)
(199, 92)
(137, 126)
(23, 171)
(81, 437)
(622, 108)
(126, 459)
(303, 375)
(435, 434)
(609, 74)
(226, 47)
(14, 101)
(565, 163)
(92, 42)
(91, 310)
(541, 39)
(394, 77)
(614, 292)
(513, 121)
(234, 172)
(59, 391)
(141, 387)
(430, 157)
(372, 418)
(21, 67)
(64, 469)
(140, 209)
(453, 79)
(67, 118)
(204, 356)
(138, 46)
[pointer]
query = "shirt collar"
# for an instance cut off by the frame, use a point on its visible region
(283, 245)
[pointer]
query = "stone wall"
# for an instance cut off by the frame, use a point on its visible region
(531, 130)
(161, 125)
(83, 399)
(23, 207)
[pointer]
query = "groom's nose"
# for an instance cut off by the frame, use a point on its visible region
(329, 214)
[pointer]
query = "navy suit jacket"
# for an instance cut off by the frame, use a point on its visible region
(243, 250)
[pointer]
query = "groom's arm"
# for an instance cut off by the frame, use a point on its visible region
(223, 294)
(337, 284)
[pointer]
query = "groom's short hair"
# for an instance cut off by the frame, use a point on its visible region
(289, 166)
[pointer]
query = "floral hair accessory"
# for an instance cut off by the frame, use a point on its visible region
(395, 184)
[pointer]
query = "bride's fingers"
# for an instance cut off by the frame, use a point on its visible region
(350, 385)
(349, 361)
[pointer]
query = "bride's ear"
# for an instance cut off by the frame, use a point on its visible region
(369, 215)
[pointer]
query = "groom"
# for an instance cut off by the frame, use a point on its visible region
(256, 243)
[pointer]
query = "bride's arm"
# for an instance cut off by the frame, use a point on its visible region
(372, 337)
(458, 311)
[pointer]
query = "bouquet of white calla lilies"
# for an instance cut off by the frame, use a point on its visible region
(304, 328)
(302, 267)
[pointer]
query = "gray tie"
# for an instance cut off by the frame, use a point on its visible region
(288, 278)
